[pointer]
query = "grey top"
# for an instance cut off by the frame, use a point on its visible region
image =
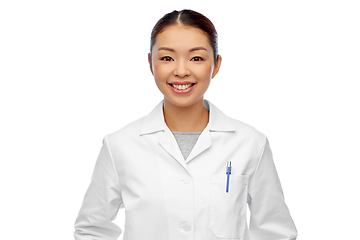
(186, 141)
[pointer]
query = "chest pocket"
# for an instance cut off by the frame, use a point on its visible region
(228, 209)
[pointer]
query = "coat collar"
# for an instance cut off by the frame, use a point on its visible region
(155, 121)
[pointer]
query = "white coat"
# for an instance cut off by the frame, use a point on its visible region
(140, 168)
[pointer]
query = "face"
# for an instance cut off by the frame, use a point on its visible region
(183, 64)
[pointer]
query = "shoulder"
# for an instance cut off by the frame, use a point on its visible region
(248, 132)
(129, 131)
(241, 130)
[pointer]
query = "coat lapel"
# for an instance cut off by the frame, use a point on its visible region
(169, 144)
(204, 142)
(155, 122)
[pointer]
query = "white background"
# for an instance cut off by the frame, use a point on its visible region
(73, 71)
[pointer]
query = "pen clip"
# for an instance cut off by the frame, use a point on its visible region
(227, 167)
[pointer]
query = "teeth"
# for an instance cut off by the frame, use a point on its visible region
(181, 87)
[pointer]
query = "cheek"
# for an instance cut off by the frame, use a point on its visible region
(156, 69)
(161, 71)
(204, 72)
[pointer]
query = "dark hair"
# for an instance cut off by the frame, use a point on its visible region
(187, 17)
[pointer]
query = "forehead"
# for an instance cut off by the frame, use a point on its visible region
(182, 36)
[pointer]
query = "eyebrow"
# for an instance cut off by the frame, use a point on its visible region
(191, 50)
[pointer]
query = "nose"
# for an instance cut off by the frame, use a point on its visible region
(181, 69)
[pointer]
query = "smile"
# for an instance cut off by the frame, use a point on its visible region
(182, 87)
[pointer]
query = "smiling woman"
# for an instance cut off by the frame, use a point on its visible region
(167, 169)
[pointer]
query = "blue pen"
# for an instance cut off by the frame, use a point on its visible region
(228, 172)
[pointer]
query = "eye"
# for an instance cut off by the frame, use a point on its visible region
(166, 58)
(196, 59)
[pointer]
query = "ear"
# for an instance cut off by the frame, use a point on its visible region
(149, 60)
(217, 66)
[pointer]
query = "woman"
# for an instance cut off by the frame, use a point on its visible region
(186, 170)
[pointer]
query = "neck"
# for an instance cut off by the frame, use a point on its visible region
(193, 118)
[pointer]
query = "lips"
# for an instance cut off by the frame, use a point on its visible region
(182, 91)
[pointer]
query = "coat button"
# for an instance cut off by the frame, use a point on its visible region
(187, 227)
(187, 180)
